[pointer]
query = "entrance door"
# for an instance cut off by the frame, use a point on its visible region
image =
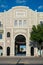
(20, 45)
(32, 51)
(8, 51)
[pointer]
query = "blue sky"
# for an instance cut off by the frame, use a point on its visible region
(33, 4)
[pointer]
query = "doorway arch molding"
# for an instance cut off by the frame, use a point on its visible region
(20, 34)
(16, 34)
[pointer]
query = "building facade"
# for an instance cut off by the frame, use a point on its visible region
(15, 28)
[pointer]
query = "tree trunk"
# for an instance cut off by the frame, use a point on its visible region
(40, 51)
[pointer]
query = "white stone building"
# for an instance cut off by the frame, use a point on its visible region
(15, 27)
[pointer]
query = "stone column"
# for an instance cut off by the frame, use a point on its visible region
(27, 49)
(27, 44)
(4, 35)
(35, 52)
(12, 43)
(4, 47)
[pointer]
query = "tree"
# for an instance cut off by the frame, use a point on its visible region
(36, 35)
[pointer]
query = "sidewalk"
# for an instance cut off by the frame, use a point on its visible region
(25, 60)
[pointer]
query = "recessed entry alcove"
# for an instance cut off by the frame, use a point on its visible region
(20, 45)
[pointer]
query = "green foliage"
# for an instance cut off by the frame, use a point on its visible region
(37, 33)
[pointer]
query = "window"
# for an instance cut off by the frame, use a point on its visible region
(8, 51)
(8, 34)
(0, 23)
(24, 22)
(41, 22)
(15, 22)
(20, 22)
(0, 36)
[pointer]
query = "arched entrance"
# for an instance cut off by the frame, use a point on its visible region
(32, 51)
(8, 51)
(1, 51)
(20, 45)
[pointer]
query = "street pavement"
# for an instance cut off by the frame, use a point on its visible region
(21, 64)
(21, 60)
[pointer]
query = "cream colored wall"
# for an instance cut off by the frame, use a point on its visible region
(8, 17)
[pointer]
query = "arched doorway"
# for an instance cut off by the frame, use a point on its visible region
(1, 51)
(8, 51)
(32, 51)
(20, 45)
